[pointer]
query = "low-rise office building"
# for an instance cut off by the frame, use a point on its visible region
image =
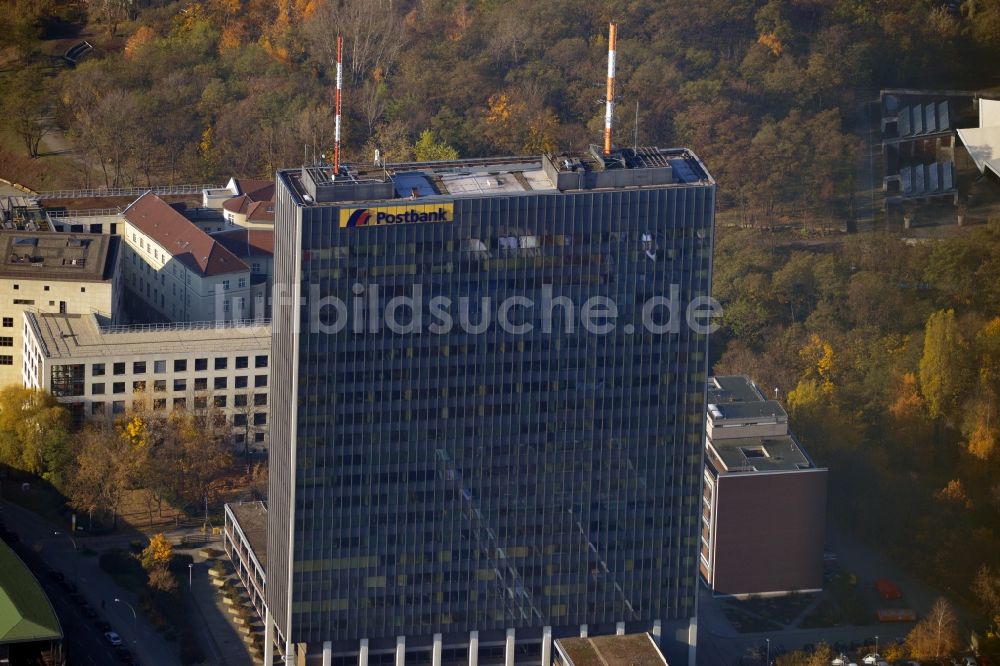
(53, 272)
(99, 371)
(764, 501)
(177, 272)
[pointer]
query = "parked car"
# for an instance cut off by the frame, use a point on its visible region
(113, 638)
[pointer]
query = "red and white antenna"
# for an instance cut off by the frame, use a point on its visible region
(609, 109)
(336, 127)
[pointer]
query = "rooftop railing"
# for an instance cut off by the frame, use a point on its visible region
(186, 326)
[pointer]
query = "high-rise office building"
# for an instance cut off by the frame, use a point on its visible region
(468, 474)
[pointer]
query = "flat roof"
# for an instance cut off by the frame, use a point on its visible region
(72, 336)
(643, 167)
(758, 454)
(625, 650)
(49, 255)
(26, 615)
(252, 519)
(747, 410)
(733, 388)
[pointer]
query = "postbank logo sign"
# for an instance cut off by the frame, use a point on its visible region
(370, 217)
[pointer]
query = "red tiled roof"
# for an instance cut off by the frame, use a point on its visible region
(247, 242)
(182, 239)
(257, 190)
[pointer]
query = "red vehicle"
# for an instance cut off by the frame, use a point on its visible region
(887, 589)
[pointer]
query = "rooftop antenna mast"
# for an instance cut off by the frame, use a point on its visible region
(609, 109)
(336, 126)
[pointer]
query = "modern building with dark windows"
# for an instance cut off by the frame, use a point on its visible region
(515, 454)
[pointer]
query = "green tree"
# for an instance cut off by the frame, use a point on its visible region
(944, 364)
(431, 149)
(24, 107)
(34, 432)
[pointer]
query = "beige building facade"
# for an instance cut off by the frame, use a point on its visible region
(99, 371)
(47, 272)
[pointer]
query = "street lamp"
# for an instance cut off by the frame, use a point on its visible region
(190, 574)
(76, 559)
(876, 647)
(768, 662)
(135, 619)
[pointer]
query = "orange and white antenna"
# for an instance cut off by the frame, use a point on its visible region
(336, 126)
(609, 109)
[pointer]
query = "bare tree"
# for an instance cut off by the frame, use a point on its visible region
(373, 36)
(936, 635)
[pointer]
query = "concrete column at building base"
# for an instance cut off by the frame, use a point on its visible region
(473, 648)
(327, 653)
(583, 630)
(508, 653)
(436, 650)
(363, 652)
(692, 641)
(657, 632)
(400, 650)
(268, 638)
(546, 646)
(620, 628)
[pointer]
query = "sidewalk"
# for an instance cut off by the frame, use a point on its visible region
(218, 634)
(148, 646)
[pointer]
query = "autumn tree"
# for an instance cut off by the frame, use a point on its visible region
(103, 472)
(936, 635)
(429, 148)
(34, 432)
(943, 366)
(821, 656)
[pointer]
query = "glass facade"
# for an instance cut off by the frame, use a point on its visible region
(432, 482)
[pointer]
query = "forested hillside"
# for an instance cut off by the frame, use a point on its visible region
(887, 353)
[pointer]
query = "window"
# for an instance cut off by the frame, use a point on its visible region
(200, 402)
(97, 388)
(255, 268)
(118, 388)
(6, 341)
(97, 370)
(241, 382)
(200, 384)
(17, 286)
(8, 322)
(45, 288)
(97, 409)
(225, 285)
(219, 384)
(242, 362)
(139, 368)
(259, 419)
(219, 401)
(119, 369)
(159, 367)
(260, 399)
(67, 380)
(260, 361)
(258, 437)
(160, 404)
(225, 305)
(138, 387)
(242, 282)
(180, 384)
(83, 290)
(118, 407)
(24, 301)
(180, 365)
(240, 400)
(180, 403)
(6, 359)
(221, 362)
(259, 381)
(239, 419)
(160, 386)
(201, 364)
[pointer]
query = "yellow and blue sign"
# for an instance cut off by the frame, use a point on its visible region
(370, 217)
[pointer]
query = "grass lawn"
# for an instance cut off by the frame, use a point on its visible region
(41, 498)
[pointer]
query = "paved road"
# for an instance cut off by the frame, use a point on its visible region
(150, 648)
(719, 644)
